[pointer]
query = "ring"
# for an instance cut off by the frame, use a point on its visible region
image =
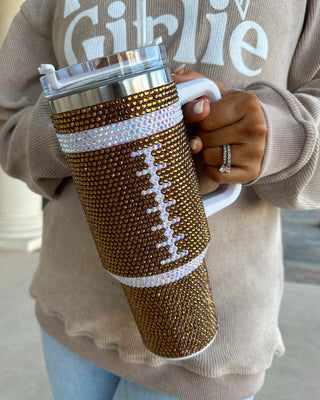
(226, 166)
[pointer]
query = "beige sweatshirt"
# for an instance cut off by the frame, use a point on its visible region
(270, 48)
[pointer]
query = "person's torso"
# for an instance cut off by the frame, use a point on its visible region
(235, 41)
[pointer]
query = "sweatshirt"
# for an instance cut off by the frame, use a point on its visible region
(266, 47)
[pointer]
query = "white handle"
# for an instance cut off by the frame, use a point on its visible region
(191, 90)
(226, 193)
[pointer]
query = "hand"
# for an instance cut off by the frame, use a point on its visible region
(237, 119)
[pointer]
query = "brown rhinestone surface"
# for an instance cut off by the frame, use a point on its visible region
(116, 110)
(111, 195)
(176, 319)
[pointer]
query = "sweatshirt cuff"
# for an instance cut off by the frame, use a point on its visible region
(285, 134)
(47, 162)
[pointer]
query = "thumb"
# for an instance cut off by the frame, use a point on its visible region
(179, 70)
(186, 76)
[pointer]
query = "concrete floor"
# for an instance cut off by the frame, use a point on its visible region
(295, 376)
(22, 368)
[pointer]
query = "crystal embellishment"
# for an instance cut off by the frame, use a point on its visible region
(161, 205)
(165, 278)
(122, 132)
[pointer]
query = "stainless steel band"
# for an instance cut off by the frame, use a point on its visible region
(116, 89)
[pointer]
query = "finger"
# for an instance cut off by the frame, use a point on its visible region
(196, 144)
(251, 129)
(224, 112)
(186, 76)
(232, 134)
(213, 156)
(233, 107)
(241, 161)
(236, 175)
(196, 110)
(179, 70)
(242, 156)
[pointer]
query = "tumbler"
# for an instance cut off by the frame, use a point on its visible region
(119, 122)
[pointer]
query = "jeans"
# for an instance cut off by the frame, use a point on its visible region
(74, 378)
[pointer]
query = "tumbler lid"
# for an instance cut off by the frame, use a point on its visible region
(92, 73)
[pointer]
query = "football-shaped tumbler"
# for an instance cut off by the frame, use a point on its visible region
(119, 122)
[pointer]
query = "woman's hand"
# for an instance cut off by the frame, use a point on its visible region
(237, 119)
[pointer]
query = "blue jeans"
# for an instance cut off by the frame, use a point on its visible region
(74, 378)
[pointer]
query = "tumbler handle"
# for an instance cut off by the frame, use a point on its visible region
(226, 193)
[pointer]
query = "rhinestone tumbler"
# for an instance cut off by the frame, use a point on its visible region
(119, 122)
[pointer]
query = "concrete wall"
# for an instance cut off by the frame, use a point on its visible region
(8, 9)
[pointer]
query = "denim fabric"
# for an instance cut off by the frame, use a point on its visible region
(74, 378)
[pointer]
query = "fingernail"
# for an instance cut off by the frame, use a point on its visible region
(193, 144)
(180, 68)
(198, 108)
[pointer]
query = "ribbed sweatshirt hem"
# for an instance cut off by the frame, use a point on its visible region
(170, 379)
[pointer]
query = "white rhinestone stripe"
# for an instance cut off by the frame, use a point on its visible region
(161, 205)
(165, 278)
(122, 132)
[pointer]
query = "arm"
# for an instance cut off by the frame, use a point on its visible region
(285, 168)
(290, 171)
(29, 149)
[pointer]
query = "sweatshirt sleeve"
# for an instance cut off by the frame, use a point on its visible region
(29, 149)
(290, 172)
